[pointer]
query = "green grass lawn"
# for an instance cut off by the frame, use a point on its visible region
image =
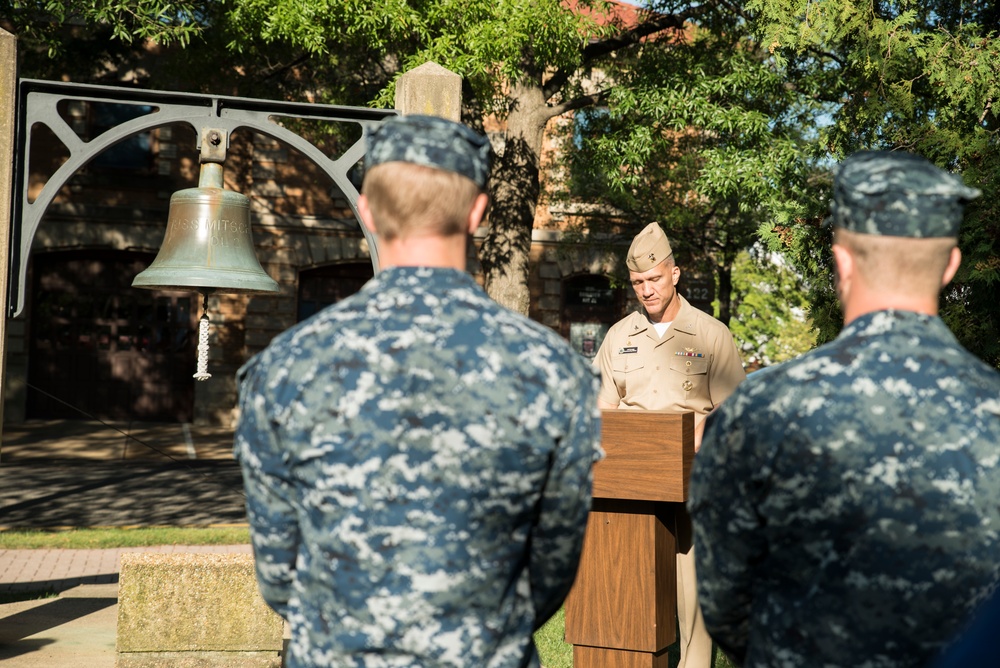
(555, 652)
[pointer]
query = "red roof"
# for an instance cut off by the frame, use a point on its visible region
(622, 14)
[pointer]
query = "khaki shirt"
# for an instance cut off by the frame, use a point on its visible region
(694, 367)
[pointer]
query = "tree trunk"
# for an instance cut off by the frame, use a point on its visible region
(514, 194)
(725, 291)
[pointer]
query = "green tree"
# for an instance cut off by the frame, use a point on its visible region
(918, 76)
(774, 94)
(770, 318)
(96, 42)
(702, 135)
(52, 23)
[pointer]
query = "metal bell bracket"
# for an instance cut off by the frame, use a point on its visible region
(214, 143)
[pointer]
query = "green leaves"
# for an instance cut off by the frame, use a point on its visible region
(705, 136)
(770, 320)
(918, 76)
(491, 44)
(160, 21)
(724, 131)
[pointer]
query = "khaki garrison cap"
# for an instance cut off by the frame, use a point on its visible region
(649, 248)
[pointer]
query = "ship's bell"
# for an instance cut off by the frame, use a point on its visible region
(207, 246)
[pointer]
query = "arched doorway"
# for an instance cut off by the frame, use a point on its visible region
(99, 348)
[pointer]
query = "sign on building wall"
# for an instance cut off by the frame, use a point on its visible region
(698, 290)
(586, 337)
(590, 307)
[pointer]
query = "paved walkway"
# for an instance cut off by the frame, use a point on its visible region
(64, 474)
(66, 493)
(59, 570)
(76, 630)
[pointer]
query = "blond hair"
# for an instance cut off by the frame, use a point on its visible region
(407, 199)
(900, 265)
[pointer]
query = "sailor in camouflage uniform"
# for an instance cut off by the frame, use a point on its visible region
(417, 459)
(847, 503)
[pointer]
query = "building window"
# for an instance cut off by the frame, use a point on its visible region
(134, 152)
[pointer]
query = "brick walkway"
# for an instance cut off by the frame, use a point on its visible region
(59, 570)
(65, 473)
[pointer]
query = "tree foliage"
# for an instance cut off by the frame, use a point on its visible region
(719, 119)
(702, 135)
(916, 76)
(48, 22)
(770, 315)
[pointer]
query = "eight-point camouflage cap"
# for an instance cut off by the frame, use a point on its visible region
(432, 142)
(897, 194)
(649, 248)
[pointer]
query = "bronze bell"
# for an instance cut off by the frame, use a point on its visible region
(207, 246)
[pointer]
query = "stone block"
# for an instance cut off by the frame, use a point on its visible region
(431, 90)
(196, 660)
(267, 189)
(323, 248)
(194, 609)
(264, 172)
(259, 321)
(258, 340)
(8, 121)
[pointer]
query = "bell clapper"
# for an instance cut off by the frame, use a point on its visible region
(202, 372)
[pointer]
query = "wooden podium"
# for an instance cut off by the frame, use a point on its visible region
(621, 612)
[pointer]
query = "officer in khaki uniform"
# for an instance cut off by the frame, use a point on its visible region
(670, 357)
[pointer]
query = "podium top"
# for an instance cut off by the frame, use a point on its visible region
(649, 455)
